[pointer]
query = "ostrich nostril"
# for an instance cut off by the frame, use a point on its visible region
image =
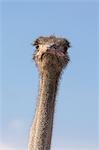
(42, 56)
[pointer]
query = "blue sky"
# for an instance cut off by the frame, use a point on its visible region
(76, 115)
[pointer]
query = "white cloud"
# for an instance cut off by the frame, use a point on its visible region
(17, 138)
(16, 124)
(76, 148)
(6, 147)
(9, 147)
(15, 135)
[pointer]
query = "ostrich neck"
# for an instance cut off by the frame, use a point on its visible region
(41, 131)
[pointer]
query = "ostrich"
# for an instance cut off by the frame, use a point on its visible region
(51, 57)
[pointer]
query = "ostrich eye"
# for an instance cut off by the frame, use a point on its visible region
(37, 46)
(54, 46)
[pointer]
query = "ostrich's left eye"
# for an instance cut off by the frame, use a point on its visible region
(54, 46)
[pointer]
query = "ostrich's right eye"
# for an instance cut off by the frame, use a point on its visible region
(37, 46)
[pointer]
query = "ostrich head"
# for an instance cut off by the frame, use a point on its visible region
(51, 53)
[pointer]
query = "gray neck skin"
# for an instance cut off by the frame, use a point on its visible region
(41, 131)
